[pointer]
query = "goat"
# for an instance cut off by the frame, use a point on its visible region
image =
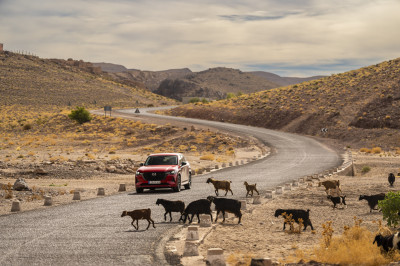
(171, 206)
(220, 184)
(330, 184)
(250, 188)
(391, 179)
(338, 200)
(372, 200)
(196, 207)
(139, 215)
(296, 215)
(388, 242)
(226, 205)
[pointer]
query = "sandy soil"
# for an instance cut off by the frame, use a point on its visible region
(261, 234)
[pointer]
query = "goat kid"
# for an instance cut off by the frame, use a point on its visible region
(142, 214)
(250, 188)
(391, 179)
(338, 200)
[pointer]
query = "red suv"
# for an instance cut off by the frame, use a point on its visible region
(163, 170)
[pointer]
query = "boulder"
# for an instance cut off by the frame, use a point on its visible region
(20, 185)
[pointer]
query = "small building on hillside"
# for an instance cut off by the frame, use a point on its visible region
(1, 47)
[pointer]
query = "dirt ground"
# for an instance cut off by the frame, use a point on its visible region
(261, 234)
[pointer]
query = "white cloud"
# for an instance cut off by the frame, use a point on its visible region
(162, 34)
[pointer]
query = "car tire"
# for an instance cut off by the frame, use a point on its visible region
(179, 184)
(189, 184)
(139, 190)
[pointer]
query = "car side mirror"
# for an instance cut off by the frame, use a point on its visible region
(184, 163)
(141, 164)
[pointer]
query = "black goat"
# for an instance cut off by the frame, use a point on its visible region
(226, 205)
(388, 242)
(391, 179)
(296, 215)
(171, 206)
(197, 207)
(337, 200)
(372, 200)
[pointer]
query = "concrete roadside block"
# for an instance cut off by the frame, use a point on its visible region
(191, 249)
(16, 206)
(215, 257)
(279, 190)
(100, 191)
(122, 187)
(192, 233)
(216, 166)
(205, 220)
(48, 201)
(257, 200)
(295, 184)
(77, 195)
(288, 187)
(243, 204)
(268, 194)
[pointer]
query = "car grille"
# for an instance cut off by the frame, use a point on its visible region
(154, 176)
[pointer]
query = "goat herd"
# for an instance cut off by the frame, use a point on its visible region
(203, 206)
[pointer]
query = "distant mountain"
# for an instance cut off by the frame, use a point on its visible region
(283, 81)
(213, 83)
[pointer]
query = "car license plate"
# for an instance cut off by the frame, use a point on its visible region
(154, 182)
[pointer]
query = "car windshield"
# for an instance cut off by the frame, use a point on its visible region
(162, 160)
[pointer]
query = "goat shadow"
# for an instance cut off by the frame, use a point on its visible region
(136, 231)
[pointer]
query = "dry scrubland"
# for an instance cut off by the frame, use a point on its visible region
(359, 108)
(341, 236)
(57, 156)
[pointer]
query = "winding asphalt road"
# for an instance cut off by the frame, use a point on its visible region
(92, 232)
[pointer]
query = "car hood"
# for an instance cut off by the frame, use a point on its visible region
(158, 168)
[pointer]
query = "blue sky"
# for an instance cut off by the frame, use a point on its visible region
(285, 37)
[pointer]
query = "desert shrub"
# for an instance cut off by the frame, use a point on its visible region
(80, 115)
(365, 150)
(354, 246)
(365, 169)
(376, 150)
(390, 207)
(208, 157)
(27, 127)
(194, 100)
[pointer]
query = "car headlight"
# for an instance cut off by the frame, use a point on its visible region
(138, 173)
(171, 172)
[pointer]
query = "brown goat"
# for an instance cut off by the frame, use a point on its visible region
(143, 214)
(220, 184)
(250, 188)
(330, 184)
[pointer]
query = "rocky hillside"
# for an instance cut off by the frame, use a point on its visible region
(31, 81)
(359, 107)
(212, 83)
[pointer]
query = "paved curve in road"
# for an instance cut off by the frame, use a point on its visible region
(92, 232)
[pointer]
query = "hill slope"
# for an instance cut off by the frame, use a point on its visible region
(31, 81)
(359, 107)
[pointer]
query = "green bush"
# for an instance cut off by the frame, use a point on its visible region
(80, 115)
(390, 207)
(365, 169)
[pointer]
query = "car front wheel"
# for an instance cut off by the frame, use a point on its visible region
(178, 184)
(189, 184)
(139, 190)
